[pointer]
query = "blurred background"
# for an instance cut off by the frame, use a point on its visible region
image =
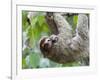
(34, 27)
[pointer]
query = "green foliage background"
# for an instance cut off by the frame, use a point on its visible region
(31, 33)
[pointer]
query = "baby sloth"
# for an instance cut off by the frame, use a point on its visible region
(51, 49)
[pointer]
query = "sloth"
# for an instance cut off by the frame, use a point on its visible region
(63, 47)
(51, 49)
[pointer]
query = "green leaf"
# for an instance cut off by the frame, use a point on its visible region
(75, 18)
(34, 60)
(25, 52)
(70, 20)
(34, 21)
(24, 20)
(40, 20)
(54, 64)
(24, 65)
(70, 64)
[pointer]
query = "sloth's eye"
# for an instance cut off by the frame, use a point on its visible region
(49, 40)
(54, 41)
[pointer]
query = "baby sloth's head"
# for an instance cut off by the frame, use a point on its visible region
(46, 43)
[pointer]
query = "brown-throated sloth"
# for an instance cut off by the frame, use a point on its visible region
(63, 47)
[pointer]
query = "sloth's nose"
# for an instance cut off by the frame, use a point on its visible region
(46, 46)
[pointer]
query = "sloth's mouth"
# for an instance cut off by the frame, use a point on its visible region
(47, 46)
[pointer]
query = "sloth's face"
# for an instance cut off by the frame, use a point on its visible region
(46, 44)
